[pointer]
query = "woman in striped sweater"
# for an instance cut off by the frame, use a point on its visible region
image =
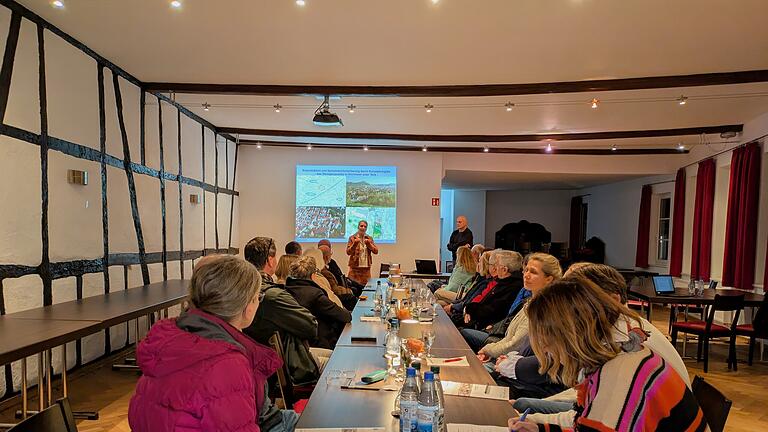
(621, 387)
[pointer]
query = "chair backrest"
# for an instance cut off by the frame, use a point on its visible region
(384, 268)
(56, 418)
(726, 303)
(449, 266)
(714, 404)
(712, 284)
(283, 380)
(760, 320)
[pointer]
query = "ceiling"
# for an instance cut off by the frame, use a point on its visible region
(416, 42)
(487, 180)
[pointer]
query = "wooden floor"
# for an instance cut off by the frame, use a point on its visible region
(99, 388)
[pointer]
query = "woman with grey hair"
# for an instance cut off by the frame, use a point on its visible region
(492, 304)
(331, 317)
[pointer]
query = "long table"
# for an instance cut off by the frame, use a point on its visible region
(331, 407)
(646, 293)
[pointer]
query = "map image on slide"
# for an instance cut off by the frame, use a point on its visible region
(320, 222)
(371, 192)
(381, 221)
(324, 191)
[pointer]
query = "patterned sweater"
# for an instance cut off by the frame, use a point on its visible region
(636, 391)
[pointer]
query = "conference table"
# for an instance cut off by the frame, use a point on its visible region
(37, 331)
(331, 407)
(646, 292)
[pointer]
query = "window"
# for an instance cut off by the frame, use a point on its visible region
(665, 226)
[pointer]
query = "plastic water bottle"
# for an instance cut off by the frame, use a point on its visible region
(440, 398)
(428, 405)
(391, 312)
(417, 365)
(409, 402)
(393, 347)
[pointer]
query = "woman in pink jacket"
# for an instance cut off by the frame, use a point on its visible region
(200, 372)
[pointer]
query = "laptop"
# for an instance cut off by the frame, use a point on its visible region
(665, 286)
(426, 267)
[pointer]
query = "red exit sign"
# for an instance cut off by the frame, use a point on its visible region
(435, 202)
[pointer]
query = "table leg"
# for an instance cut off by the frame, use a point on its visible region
(40, 385)
(24, 407)
(48, 375)
(64, 370)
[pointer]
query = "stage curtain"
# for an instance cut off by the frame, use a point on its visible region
(678, 226)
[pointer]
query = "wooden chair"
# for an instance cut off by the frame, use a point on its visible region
(706, 330)
(56, 418)
(757, 329)
(384, 270)
(714, 404)
(290, 393)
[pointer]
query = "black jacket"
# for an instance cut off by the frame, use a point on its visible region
(279, 312)
(495, 305)
(330, 317)
(459, 238)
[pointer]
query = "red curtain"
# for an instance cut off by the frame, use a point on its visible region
(678, 226)
(644, 227)
(576, 234)
(741, 227)
(701, 250)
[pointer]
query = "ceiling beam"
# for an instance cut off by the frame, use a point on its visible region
(579, 136)
(656, 82)
(468, 149)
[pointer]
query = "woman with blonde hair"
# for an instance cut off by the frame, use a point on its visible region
(199, 371)
(283, 265)
(462, 274)
(320, 279)
(572, 325)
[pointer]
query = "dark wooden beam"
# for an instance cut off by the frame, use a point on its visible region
(473, 149)
(656, 82)
(580, 136)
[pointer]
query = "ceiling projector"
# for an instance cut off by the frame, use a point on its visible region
(324, 116)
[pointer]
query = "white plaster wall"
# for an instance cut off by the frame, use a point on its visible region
(23, 109)
(20, 212)
(267, 181)
(549, 208)
(471, 204)
(170, 138)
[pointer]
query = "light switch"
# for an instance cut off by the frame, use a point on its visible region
(77, 177)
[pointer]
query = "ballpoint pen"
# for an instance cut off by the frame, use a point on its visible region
(525, 414)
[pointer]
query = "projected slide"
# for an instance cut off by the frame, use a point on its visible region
(332, 199)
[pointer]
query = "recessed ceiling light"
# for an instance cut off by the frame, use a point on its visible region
(509, 106)
(614, 148)
(309, 146)
(435, 1)
(549, 148)
(176, 4)
(206, 106)
(424, 148)
(429, 107)
(680, 146)
(277, 107)
(351, 108)
(58, 4)
(595, 102)
(486, 149)
(365, 148)
(682, 100)
(258, 145)
(301, 2)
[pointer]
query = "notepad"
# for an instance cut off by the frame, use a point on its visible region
(448, 361)
(482, 391)
(463, 427)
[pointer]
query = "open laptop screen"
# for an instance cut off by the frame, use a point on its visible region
(663, 284)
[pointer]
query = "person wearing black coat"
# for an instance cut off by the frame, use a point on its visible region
(492, 304)
(331, 318)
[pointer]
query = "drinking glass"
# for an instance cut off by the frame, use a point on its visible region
(428, 336)
(700, 288)
(692, 288)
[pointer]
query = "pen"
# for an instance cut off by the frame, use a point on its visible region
(454, 360)
(525, 414)
(486, 389)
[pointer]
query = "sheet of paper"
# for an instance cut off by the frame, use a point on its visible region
(448, 361)
(463, 427)
(483, 391)
(370, 319)
(358, 429)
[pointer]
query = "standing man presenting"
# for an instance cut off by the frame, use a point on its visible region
(462, 236)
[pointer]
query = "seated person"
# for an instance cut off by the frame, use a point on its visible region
(199, 371)
(492, 303)
(525, 370)
(462, 274)
(621, 386)
(477, 251)
(485, 273)
(331, 317)
(327, 281)
(334, 268)
(540, 270)
(279, 312)
(283, 265)
(293, 248)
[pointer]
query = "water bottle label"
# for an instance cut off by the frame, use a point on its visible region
(427, 415)
(408, 416)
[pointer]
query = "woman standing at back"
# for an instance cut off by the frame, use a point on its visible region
(361, 249)
(200, 372)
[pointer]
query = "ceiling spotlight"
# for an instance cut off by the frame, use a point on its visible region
(435, 1)
(258, 145)
(309, 146)
(351, 108)
(365, 148)
(509, 106)
(277, 107)
(549, 148)
(682, 100)
(176, 4)
(595, 101)
(206, 106)
(614, 148)
(301, 2)
(680, 146)
(429, 107)
(58, 4)
(424, 148)
(486, 149)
